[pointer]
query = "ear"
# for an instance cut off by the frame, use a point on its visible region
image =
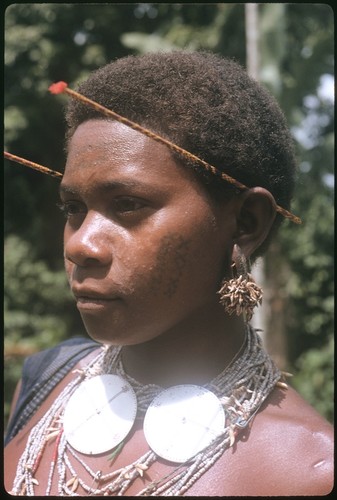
(255, 216)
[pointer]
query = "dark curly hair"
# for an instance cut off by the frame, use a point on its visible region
(206, 104)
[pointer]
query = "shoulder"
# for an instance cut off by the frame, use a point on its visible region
(290, 412)
(40, 375)
(295, 445)
(45, 364)
(62, 352)
(286, 451)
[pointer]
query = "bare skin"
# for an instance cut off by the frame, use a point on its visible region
(287, 451)
(145, 250)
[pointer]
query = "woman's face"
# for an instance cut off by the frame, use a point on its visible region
(145, 247)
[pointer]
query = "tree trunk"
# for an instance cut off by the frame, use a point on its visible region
(269, 272)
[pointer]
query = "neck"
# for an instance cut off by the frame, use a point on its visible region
(193, 352)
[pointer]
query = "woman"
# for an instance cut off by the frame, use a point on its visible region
(181, 399)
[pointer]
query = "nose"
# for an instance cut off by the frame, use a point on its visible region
(88, 244)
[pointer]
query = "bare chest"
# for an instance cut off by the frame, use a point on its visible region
(274, 456)
(130, 469)
(130, 472)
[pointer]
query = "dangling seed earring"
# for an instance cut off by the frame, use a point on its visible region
(240, 295)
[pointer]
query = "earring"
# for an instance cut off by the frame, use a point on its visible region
(240, 294)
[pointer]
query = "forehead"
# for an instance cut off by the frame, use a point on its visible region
(103, 150)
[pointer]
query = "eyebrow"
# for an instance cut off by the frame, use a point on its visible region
(105, 186)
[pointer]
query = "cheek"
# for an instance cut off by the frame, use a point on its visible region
(67, 264)
(180, 265)
(68, 268)
(169, 265)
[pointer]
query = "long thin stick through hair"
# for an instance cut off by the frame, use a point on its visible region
(62, 87)
(31, 164)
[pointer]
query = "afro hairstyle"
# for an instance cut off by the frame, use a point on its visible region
(206, 104)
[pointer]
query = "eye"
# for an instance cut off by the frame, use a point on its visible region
(72, 208)
(127, 204)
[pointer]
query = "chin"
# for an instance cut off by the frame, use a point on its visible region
(119, 330)
(115, 336)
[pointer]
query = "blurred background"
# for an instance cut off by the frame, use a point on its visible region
(288, 47)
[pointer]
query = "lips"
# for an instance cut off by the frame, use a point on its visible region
(90, 299)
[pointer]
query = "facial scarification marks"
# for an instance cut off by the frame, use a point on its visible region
(170, 263)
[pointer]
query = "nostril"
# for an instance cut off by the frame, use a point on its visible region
(89, 244)
(91, 257)
(85, 251)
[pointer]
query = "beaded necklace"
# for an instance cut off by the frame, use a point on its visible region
(241, 388)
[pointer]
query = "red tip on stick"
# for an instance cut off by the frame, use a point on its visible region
(58, 88)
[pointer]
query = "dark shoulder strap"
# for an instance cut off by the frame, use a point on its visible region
(41, 373)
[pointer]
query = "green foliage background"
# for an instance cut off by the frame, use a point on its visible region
(50, 42)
